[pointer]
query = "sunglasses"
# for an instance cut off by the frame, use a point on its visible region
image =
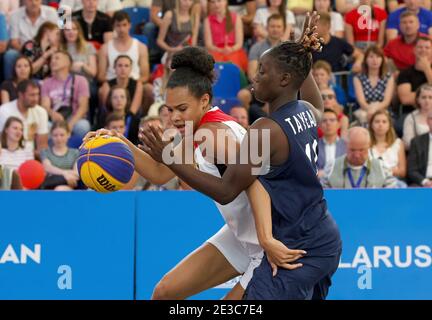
(327, 96)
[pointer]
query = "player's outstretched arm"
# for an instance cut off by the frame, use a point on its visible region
(278, 254)
(155, 172)
(237, 176)
(309, 90)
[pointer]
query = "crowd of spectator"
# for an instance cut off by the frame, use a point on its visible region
(57, 82)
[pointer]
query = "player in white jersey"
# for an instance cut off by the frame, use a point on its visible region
(234, 250)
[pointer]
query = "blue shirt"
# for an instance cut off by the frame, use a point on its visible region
(3, 28)
(299, 211)
(424, 15)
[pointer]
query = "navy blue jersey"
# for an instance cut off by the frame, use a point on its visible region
(299, 211)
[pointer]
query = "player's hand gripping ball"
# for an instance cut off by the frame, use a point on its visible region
(105, 163)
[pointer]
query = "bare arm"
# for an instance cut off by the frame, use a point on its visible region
(41, 142)
(90, 68)
(103, 63)
(381, 34)
(405, 94)
(4, 97)
(196, 14)
(155, 172)
(238, 35)
(50, 168)
(163, 29)
(401, 169)
(154, 15)
(137, 98)
(252, 68)
(144, 63)
(107, 36)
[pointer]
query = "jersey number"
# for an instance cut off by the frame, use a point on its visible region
(309, 151)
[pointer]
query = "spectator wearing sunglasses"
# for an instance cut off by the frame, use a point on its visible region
(330, 102)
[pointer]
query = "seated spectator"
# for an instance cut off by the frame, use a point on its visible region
(33, 116)
(322, 73)
(9, 179)
(386, 146)
(345, 6)
(262, 15)
(362, 32)
(415, 123)
(106, 6)
(330, 146)
(123, 70)
(22, 71)
(412, 78)
(246, 10)
(330, 102)
(151, 29)
(275, 33)
(123, 44)
(355, 169)
(84, 60)
(395, 19)
(240, 114)
(178, 28)
(374, 87)
(400, 50)
(420, 158)
(337, 52)
(223, 34)
(119, 103)
(84, 54)
(24, 24)
(59, 160)
(66, 96)
(96, 25)
(41, 49)
(337, 23)
(14, 152)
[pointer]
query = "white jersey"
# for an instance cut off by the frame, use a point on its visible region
(237, 214)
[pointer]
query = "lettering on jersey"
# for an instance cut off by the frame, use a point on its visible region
(306, 121)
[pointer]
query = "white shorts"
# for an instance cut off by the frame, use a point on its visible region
(244, 257)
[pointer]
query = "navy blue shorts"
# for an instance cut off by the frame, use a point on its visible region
(310, 282)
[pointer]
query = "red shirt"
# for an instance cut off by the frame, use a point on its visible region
(400, 52)
(359, 25)
(220, 37)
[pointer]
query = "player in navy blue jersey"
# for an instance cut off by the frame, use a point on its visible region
(288, 203)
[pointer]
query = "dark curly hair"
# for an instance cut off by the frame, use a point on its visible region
(193, 68)
(293, 58)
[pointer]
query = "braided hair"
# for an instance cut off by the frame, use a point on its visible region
(295, 57)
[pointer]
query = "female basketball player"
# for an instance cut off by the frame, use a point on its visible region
(234, 249)
(299, 212)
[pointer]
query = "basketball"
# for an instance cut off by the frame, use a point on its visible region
(105, 164)
(32, 174)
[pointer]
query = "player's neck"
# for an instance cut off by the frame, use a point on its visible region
(282, 100)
